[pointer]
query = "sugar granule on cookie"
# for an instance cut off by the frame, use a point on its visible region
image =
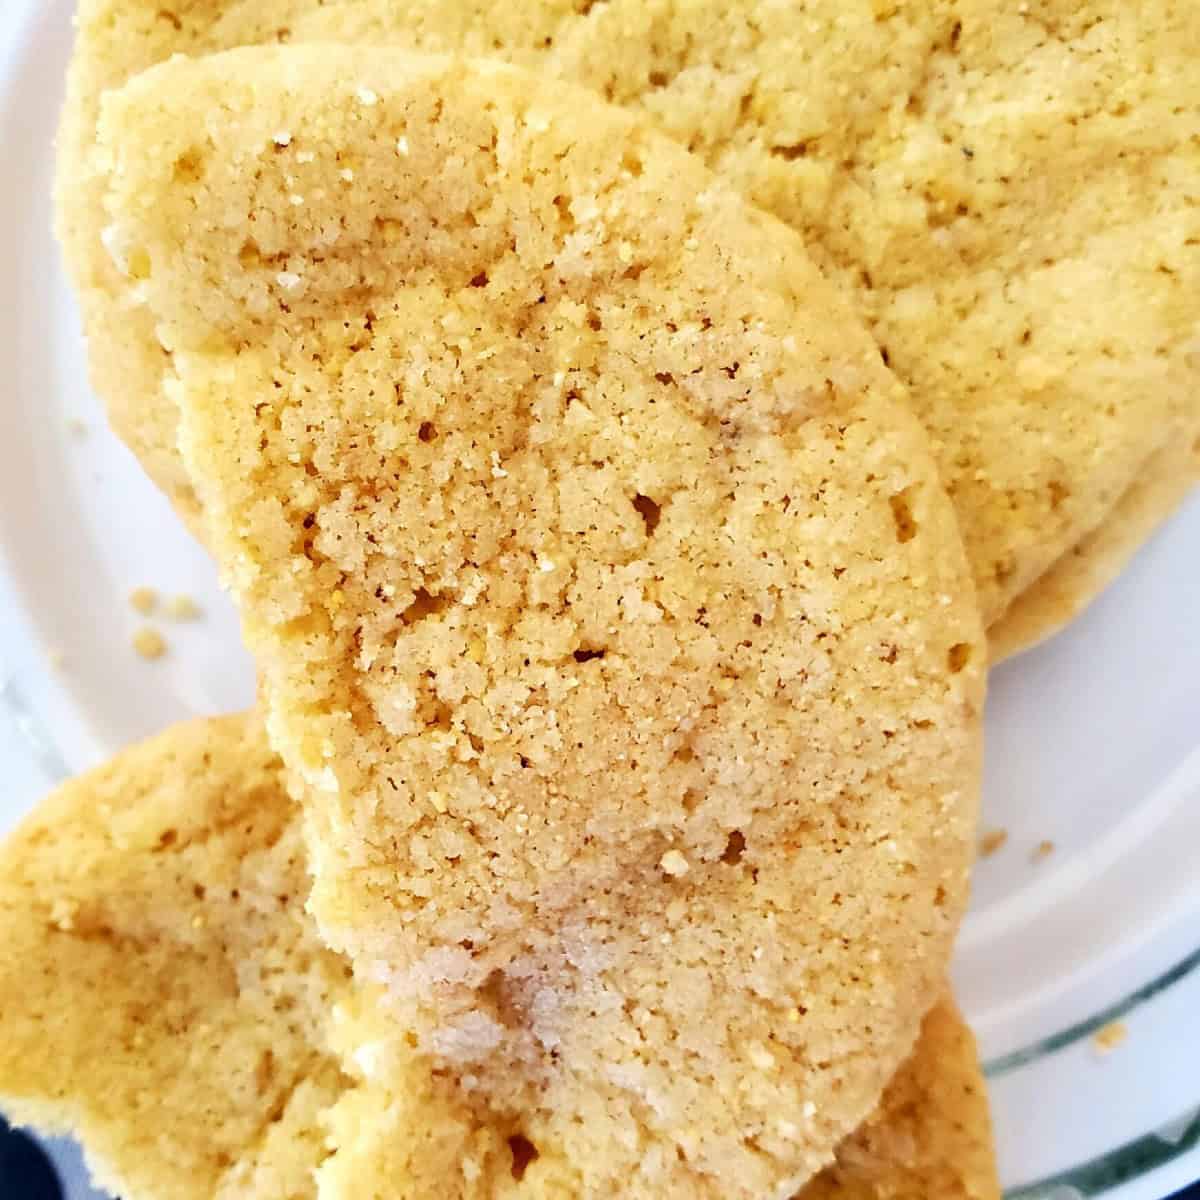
(581, 537)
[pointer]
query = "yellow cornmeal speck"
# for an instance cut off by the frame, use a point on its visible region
(56, 658)
(438, 801)
(143, 600)
(992, 841)
(198, 922)
(1110, 1037)
(673, 863)
(149, 643)
(336, 599)
(1043, 850)
(183, 608)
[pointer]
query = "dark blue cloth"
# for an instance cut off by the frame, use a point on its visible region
(25, 1171)
(27, 1174)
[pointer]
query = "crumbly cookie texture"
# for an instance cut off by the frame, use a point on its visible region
(605, 597)
(931, 1138)
(155, 943)
(1047, 165)
(982, 177)
(165, 993)
(1088, 568)
(718, 77)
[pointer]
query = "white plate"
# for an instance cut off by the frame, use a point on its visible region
(1094, 740)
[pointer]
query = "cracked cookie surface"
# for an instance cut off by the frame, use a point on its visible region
(983, 181)
(602, 587)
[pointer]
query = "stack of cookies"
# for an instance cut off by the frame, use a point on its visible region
(627, 430)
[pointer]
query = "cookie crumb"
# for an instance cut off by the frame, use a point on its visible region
(992, 841)
(149, 643)
(673, 863)
(1110, 1037)
(143, 600)
(183, 608)
(1043, 850)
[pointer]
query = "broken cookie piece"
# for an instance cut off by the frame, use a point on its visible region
(165, 992)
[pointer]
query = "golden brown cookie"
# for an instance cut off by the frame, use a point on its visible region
(1088, 568)
(165, 993)
(717, 77)
(168, 1004)
(984, 178)
(604, 594)
(931, 1137)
